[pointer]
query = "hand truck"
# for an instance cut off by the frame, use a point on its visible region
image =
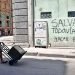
(14, 54)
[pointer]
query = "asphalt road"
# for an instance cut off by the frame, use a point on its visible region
(30, 66)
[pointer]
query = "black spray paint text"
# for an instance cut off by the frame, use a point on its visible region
(63, 26)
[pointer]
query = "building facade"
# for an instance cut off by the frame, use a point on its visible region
(5, 17)
(44, 22)
(20, 21)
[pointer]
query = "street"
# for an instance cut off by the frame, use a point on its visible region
(30, 66)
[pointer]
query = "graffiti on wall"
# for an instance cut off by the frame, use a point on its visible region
(63, 27)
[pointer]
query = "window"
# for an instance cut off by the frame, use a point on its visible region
(71, 14)
(46, 15)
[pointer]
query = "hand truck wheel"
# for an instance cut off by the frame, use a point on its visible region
(11, 62)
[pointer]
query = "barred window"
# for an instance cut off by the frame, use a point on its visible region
(46, 15)
(71, 14)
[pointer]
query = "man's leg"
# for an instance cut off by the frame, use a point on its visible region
(1, 59)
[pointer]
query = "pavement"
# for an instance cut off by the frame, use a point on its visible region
(30, 66)
(51, 52)
(47, 52)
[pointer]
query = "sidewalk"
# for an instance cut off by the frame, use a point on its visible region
(51, 52)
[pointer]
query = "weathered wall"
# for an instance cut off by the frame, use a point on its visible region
(61, 22)
(20, 20)
(5, 15)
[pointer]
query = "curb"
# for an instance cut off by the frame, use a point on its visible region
(34, 52)
(49, 55)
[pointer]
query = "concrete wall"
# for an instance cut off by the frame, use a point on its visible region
(20, 21)
(61, 26)
(23, 24)
(30, 22)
